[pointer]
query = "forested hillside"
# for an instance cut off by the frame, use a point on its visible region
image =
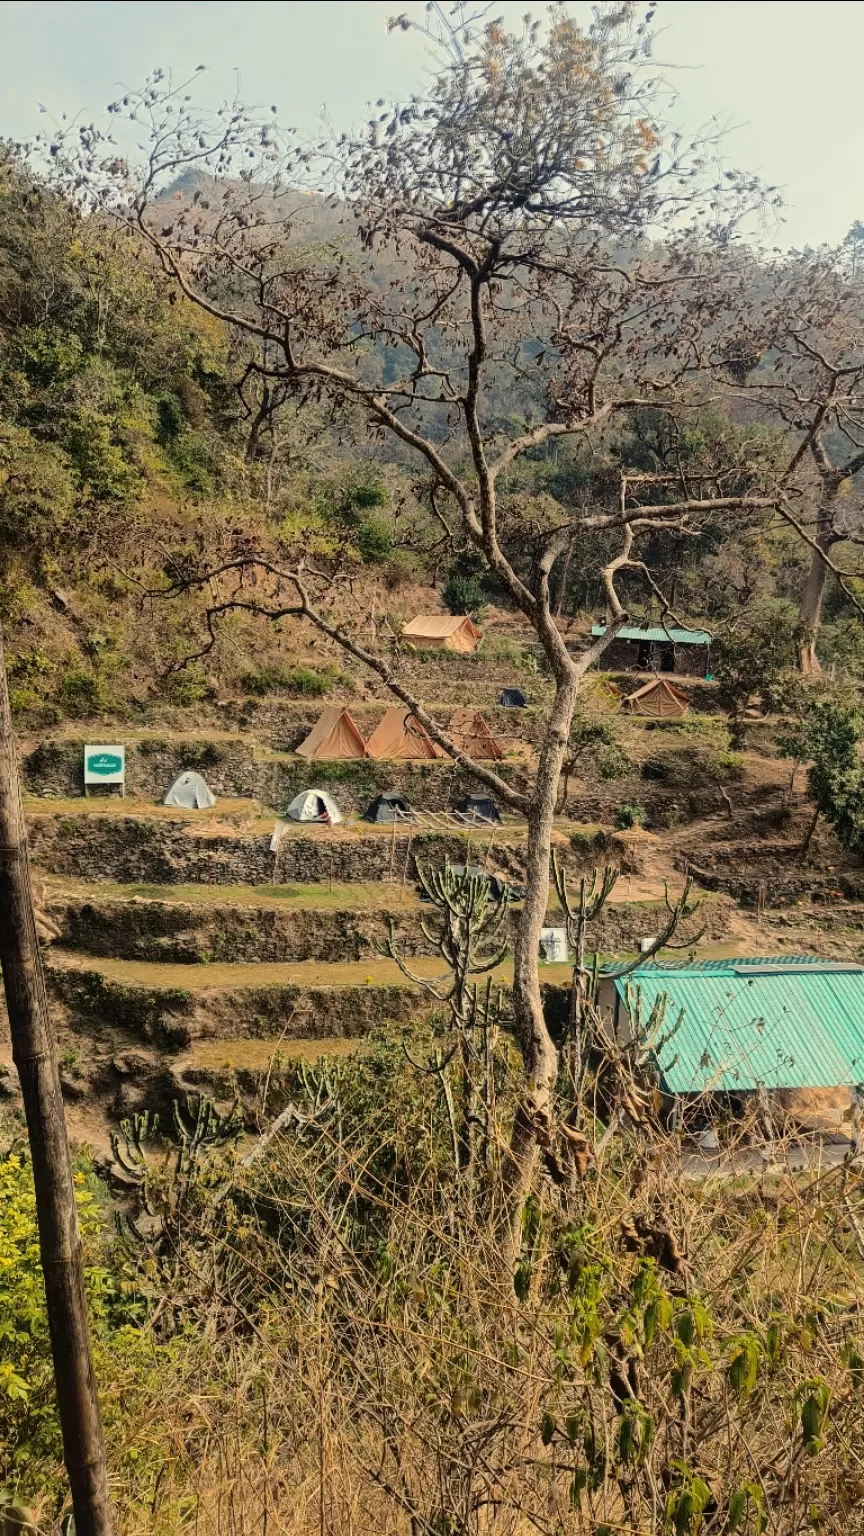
(135, 437)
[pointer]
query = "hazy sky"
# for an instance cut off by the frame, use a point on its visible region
(787, 72)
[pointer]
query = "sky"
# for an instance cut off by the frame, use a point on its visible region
(784, 74)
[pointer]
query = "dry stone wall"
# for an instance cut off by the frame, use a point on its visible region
(179, 933)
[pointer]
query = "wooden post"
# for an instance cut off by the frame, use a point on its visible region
(59, 1238)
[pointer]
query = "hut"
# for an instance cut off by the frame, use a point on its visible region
(334, 736)
(471, 734)
(191, 792)
(443, 632)
(791, 1025)
(400, 735)
(658, 700)
(656, 648)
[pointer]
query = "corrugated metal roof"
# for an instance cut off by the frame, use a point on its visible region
(658, 633)
(787, 1022)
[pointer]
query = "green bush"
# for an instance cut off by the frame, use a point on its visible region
(303, 682)
(462, 593)
(80, 693)
(626, 816)
(374, 541)
(189, 686)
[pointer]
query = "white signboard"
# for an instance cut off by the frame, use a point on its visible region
(553, 945)
(104, 765)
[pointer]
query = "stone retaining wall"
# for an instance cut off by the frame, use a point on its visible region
(141, 850)
(177, 933)
(170, 1020)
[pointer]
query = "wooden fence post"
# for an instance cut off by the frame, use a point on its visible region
(59, 1238)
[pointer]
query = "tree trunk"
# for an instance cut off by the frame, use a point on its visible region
(59, 1239)
(810, 606)
(540, 1056)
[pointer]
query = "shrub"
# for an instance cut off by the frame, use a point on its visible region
(305, 682)
(190, 686)
(80, 693)
(627, 816)
(374, 541)
(400, 569)
(463, 594)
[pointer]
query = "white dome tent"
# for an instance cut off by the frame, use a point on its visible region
(314, 805)
(191, 792)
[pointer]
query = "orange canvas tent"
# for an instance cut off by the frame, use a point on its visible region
(333, 736)
(471, 734)
(443, 632)
(658, 700)
(401, 735)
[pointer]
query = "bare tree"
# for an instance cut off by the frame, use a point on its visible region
(799, 360)
(59, 1240)
(528, 217)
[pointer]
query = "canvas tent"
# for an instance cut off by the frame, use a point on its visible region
(479, 808)
(334, 736)
(658, 700)
(191, 792)
(512, 698)
(386, 809)
(442, 632)
(471, 734)
(314, 805)
(401, 735)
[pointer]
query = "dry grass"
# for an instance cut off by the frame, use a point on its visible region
(306, 973)
(363, 897)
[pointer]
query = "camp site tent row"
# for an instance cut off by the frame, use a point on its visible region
(399, 735)
(316, 807)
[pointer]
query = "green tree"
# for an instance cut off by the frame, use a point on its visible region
(755, 659)
(828, 738)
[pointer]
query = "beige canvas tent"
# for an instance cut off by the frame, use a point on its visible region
(442, 632)
(400, 735)
(659, 700)
(334, 736)
(471, 734)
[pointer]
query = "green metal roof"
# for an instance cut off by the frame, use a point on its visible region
(787, 1022)
(658, 633)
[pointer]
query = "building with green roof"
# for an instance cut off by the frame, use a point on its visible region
(735, 1026)
(657, 648)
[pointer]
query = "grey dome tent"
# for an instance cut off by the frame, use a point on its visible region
(512, 698)
(314, 805)
(386, 809)
(191, 792)
(479, 808)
